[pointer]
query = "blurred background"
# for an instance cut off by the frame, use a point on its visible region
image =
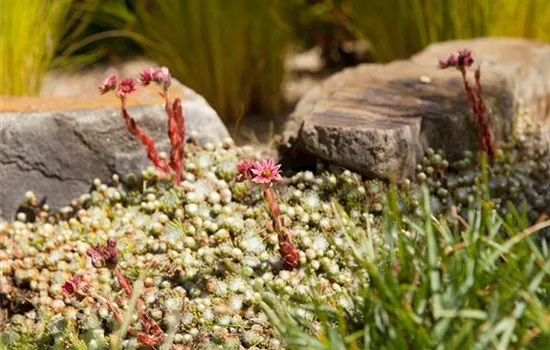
(246, 57)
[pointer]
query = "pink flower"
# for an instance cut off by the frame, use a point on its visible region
(106, 255)
(463, 59)
(162, 77)
(126, 87)
(265, 171)
(71, 286)
(243, 171)
(109, 83)
(448, 62)
(146, 76)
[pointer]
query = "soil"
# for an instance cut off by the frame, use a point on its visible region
(18, 301)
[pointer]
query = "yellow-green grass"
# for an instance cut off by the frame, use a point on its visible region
(30, 32)
(399, 28)
(231, 52)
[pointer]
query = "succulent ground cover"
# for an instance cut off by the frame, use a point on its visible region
(219, 259)
(203, 256)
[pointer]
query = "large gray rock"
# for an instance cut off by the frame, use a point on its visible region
(379, 119)
(58, 154)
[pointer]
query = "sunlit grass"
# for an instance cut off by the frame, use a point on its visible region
(482, 282)
(231, 52)
(400, 28)
(30, 31)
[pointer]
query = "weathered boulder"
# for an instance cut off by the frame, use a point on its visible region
(525, 64)
(378, 119)
(58, 153)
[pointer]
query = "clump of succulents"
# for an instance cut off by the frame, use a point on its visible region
(212, 242)
(519, 177)
(206, 248)
(107, 256)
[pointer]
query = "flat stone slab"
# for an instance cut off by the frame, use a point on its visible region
(379, 119)
(525, 64)
(58, 153)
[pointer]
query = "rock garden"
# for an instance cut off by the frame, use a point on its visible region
(398, 205)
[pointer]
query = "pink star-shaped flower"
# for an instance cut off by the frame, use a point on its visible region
(108, 84)
(146, 76)
(161, 76)
(462, 59)
(266, 171)
(126, 87)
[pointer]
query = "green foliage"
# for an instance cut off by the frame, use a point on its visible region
(103, 33)
(231, 52)
(116, 339)
(455, 284)
(324, 23)
(400, 28)
(30, 31)
(58, 334)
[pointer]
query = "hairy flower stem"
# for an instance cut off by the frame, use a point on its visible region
(179, 151)
(287, 250)
(107, 256)
(176, 134)
(123, 281)
(132, 127)
(153, 334)
(478, 107)
(486, 134)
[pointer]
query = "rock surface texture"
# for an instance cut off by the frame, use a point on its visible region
(379, 118)
(57, 154)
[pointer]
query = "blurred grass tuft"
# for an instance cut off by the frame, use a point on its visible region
(231, 52)
(399, 28)
(30, 31)
(475, 283)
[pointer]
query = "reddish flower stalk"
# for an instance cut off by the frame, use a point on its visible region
(172, 133)
(482, 120)
(107, 256)
(136, 131)
(273, 207)
(462, 61)
(288, 252)
(176, 126)
(266, 172)
(180, 123)
(176, 131)
(176, 123)
(152, 334)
